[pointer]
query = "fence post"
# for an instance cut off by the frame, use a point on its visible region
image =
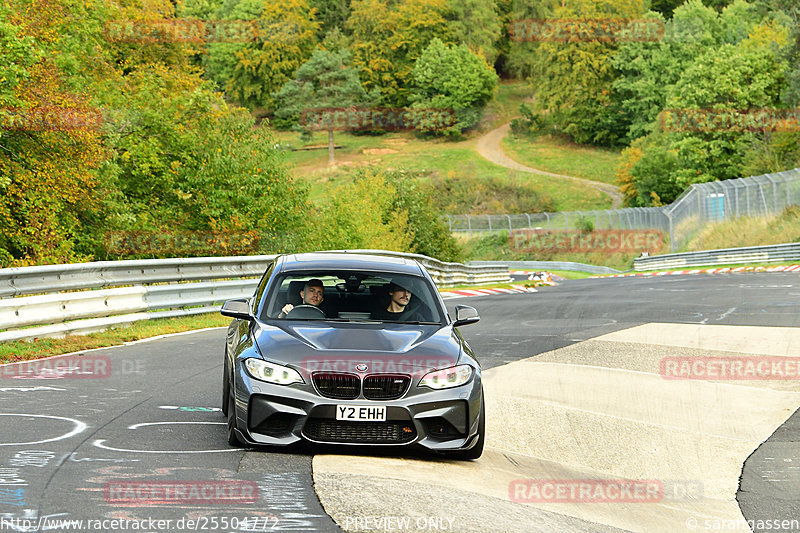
(548, 220)
(671, 233)
(529, 221)
(469, 225)
(700, 206)
(747, 199)
(509, 224)
(490, 224)
(774, 192)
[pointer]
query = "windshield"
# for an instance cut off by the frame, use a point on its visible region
(353, 296)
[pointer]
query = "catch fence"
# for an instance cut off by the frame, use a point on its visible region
(700, 204)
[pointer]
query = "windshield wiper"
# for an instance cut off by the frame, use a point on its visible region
(412, 322)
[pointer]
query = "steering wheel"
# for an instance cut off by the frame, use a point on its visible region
(305, 311)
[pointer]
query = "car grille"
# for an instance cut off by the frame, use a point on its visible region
(324, 430)
(338, 386)
(385, 387)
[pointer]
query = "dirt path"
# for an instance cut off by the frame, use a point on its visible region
(489, 148)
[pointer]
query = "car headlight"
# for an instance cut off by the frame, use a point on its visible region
(272, 373)
(447, 378)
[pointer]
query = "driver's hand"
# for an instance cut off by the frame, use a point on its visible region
(285, 310)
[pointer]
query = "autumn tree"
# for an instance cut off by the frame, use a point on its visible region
(50, 148)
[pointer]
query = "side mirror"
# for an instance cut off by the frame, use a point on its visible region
(465, 315)
(238, 308)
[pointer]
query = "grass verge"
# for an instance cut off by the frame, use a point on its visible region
(746, 231)
(563, 157)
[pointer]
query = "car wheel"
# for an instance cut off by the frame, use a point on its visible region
(477, 450)
(226, 388)
(233, 439)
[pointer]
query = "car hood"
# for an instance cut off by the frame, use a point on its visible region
(407, 346)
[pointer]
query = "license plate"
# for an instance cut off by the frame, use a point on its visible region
(361, 413)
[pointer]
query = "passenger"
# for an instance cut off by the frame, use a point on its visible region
(399, 297)
(312, 294)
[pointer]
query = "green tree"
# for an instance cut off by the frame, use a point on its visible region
(252, 72)
(455, 79)
(388, 37)
(519, 56)
(724, 82)
(665, 7)
(648, 70)
(574, 79)
(431, 236)
(332, 14)
(477, 24)
(18, 54)
(359, 214)
(324, 81)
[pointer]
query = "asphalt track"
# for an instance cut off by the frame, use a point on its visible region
(572, 378)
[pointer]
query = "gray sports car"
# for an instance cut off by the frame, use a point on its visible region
(349, 349)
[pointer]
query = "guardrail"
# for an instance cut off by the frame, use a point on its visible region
(103, 294)
(775, 253)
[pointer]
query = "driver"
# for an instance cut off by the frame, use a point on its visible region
(312, 294)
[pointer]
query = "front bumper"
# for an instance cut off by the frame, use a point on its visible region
(437, 420)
